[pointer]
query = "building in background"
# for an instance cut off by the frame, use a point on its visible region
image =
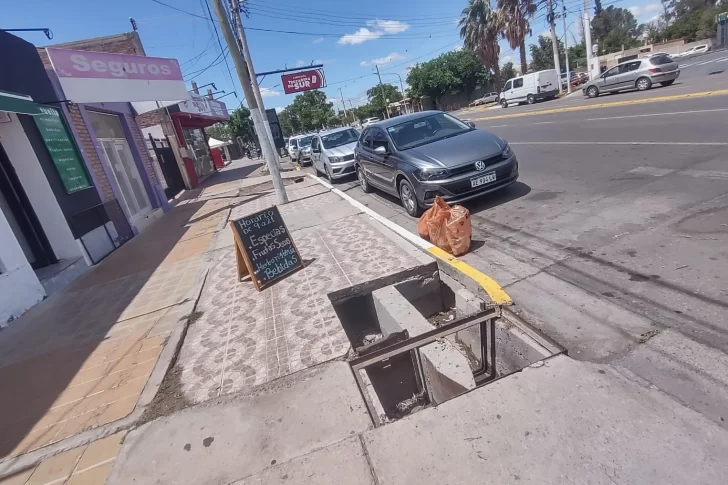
(183, 124)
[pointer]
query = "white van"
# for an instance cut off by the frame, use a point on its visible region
(530, 88)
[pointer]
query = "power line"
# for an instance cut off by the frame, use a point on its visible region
(217, 34)
(215, 62)
(346, 15)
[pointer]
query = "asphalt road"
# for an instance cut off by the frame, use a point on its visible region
(615, 239)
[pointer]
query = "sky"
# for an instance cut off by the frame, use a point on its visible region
(349, 39)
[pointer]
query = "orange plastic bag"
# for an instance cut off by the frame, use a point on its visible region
(459, 230)
(422, 227)
(448, 228)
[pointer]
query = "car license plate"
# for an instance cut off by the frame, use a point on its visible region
(487, 178)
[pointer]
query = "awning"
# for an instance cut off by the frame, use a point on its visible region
(18, 103)
(215, 143)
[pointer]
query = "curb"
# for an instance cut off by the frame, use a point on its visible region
(568, 109)
(496, 293)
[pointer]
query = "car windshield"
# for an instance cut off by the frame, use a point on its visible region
(305, 142)
(660, 59)
(339, 138)
(428, 129)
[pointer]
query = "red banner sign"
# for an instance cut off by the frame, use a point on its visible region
(303, 81)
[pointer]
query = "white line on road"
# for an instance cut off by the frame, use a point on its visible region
(722, 59)
(661, 172)
(662, 143)
(706, 62)
(659, 114)
(654, 171)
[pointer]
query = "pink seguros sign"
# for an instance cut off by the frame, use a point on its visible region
(89, 77)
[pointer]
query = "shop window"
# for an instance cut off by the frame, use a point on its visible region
(198, 150)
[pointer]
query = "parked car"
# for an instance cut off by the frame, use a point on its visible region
(332, 152)
(304, 149)
(530, 87)
(419, 156)
(638, 74)
(572, 79)
(369, 121)
(583, 77)
(698, 49)
(488, 98)
(293, 148)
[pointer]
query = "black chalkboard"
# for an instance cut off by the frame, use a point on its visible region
(265, 248)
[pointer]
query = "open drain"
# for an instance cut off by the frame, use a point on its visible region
(419, 338)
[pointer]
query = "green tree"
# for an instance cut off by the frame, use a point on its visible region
(460, 70)
(614, 29)
(690, 20)
(507, 71)
(378, 96)
(309, 111)
(480, 27)
(514, 16)
(241, 125)
(542, 54)
(219, 131)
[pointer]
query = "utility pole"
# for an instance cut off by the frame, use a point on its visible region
(253, 78)
(346, 115)
(592, 64)
(381, 89)
(566, 48)
(245, 82)
(554, 41)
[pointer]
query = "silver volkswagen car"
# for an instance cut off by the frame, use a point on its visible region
(639, 74)
(332, 152)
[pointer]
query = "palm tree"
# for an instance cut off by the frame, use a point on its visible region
(480, 27)
(515, 15)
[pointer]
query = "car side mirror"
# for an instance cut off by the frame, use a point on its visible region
(470, 124)
(381, 150)
(316, 150)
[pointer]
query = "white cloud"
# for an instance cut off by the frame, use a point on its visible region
(458, 48)
(394, 56)
(545, 33)
(506, 59)
(279, 109)
(269, 92)
(638, 11)
(300, 63)
(374, 30)
(318, 40)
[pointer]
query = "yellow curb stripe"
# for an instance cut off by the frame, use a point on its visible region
(493, 289)
(567, 109)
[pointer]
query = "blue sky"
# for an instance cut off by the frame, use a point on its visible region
(348, 38)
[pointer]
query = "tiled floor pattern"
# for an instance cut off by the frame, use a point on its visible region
(82, 358)
(86, 465)
(246, 338)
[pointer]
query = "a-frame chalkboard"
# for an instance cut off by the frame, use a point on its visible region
(264, 248)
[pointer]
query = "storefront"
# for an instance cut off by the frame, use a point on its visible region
(190, 119)
(102, 87)
(44, 185)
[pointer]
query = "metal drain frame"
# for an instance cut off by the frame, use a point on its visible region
(485, 319)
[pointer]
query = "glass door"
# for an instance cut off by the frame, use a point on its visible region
(127, 176)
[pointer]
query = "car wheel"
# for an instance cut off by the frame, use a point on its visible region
(592, 92)
(409, 199)
(668, 83)
(363, 183)
(643, 84)
(504, 103)
(530, 99)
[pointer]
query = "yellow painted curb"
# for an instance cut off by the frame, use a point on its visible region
(493, 289)
(567, 109)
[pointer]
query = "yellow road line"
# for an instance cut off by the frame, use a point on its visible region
(567, 109)
(489, 285)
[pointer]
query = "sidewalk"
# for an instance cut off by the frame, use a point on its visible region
(259, 395)
(79, 363)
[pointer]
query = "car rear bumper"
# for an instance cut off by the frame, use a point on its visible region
(459, 189)
(660, 77)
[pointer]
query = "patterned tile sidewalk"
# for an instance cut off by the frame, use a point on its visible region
(245, 338)
(81, 359)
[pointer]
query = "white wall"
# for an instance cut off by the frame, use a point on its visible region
(38, 189)
(19, 287)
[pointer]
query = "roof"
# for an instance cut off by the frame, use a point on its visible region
(403, 118)
(214, 142)
(334, 130)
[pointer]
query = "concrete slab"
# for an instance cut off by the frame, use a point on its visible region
(230, 440)
(340, 463)
(561, 422)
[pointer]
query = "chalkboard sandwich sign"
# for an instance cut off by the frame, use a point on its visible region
(264, 248)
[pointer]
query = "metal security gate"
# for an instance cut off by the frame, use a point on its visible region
(168, 164)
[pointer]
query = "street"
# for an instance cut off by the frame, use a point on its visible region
(613, 240)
